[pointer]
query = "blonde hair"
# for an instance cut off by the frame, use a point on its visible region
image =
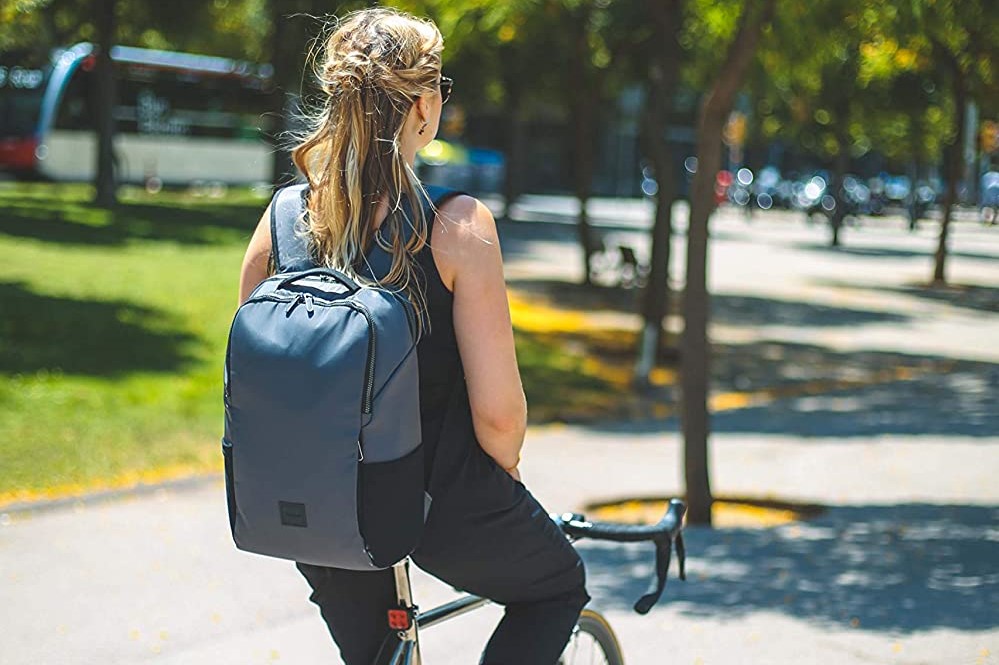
(373, 66)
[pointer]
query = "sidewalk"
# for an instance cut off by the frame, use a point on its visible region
(902, 568)
(908, 551)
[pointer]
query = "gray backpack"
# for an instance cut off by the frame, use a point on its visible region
(322, 446)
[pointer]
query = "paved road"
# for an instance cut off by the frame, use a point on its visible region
(902, 568)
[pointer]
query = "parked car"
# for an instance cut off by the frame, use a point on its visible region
(988, 198)
(477, 170)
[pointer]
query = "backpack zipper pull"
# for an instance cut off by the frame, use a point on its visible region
(293, 304)
(360, 452)
(308, 303)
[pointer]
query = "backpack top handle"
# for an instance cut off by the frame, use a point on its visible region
(346, 281)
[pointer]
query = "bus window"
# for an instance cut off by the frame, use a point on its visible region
(188, 104)
(21, 91)
(75, 107)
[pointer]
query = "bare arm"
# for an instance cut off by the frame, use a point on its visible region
(467, 251)
(255, 261)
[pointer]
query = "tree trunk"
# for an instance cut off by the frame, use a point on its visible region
(916, 136)
(955, 163)
(841, 164)
(104, 183)
(515, 143)
(696, 367)
(281, 60)
(664, 67)
(289, 35)
(583, 96)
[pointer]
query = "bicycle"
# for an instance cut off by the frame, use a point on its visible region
(592, 635)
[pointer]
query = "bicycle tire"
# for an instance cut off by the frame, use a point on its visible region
(592, 637)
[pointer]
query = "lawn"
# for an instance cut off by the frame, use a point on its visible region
(113, 329)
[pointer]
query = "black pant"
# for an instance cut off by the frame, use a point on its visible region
(485, 534)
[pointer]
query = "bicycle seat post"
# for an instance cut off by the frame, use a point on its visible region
(404, 594)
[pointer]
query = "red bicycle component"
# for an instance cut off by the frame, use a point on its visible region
(400, 619)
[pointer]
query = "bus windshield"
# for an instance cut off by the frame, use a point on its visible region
(21, 90)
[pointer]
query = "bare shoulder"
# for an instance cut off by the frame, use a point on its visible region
(260, 242)
(464, 238)
(464, 223)
(256, 261)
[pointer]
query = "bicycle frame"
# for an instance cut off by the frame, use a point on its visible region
(667, 533)
(407, 652)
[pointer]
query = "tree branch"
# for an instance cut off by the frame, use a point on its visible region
(740, 53)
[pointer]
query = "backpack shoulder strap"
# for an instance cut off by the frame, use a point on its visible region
(379, 261)
(290, 248)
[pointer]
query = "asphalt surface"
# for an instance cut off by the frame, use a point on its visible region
(903, 567)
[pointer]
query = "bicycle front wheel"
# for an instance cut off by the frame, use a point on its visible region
(592, 643)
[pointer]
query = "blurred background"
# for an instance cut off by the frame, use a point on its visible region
(863, 101)
(770, 224)
(595, 120)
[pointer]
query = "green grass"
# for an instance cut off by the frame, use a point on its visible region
(113, 330)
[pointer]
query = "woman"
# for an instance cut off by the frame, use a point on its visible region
(485, 533)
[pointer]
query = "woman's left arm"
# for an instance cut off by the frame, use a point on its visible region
(255, 262)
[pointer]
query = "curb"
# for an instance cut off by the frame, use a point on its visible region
(30, 508)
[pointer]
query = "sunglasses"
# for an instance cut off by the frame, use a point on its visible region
(447, 84)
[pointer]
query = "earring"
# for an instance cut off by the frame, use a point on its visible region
(422, 127)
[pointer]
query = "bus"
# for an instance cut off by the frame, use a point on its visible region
(179, 117)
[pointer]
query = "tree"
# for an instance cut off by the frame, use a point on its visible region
(714, 110)
(229, 28)
(951, 45)
(294, 24)
(104, 184)
(602, 37)
(589, 46)
(663, 73)
(493, 50)
(584, 92)
(962, 36)
(807, 87)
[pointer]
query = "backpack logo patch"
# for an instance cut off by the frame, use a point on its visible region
(292, 514)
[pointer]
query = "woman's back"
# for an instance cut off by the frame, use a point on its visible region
(380, 70)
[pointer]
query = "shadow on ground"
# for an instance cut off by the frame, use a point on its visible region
(961, 402)
(755, 311)
(730, 310)
(812, 391)
(567, 295)
(821, 392)
(100, 338)
(905, 568)
(520, 238)
(965, 296)
(888, 252)
(73, 222)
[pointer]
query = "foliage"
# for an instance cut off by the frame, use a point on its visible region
(231, 28)
(875, 71)
(708, 27)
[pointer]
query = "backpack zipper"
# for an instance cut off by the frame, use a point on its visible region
(369, 387)
(367, 403)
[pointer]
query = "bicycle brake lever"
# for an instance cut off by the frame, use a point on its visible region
(664, 549)
(681, 556)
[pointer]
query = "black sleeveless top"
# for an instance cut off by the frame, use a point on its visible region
(437, 353)
(442, 385)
